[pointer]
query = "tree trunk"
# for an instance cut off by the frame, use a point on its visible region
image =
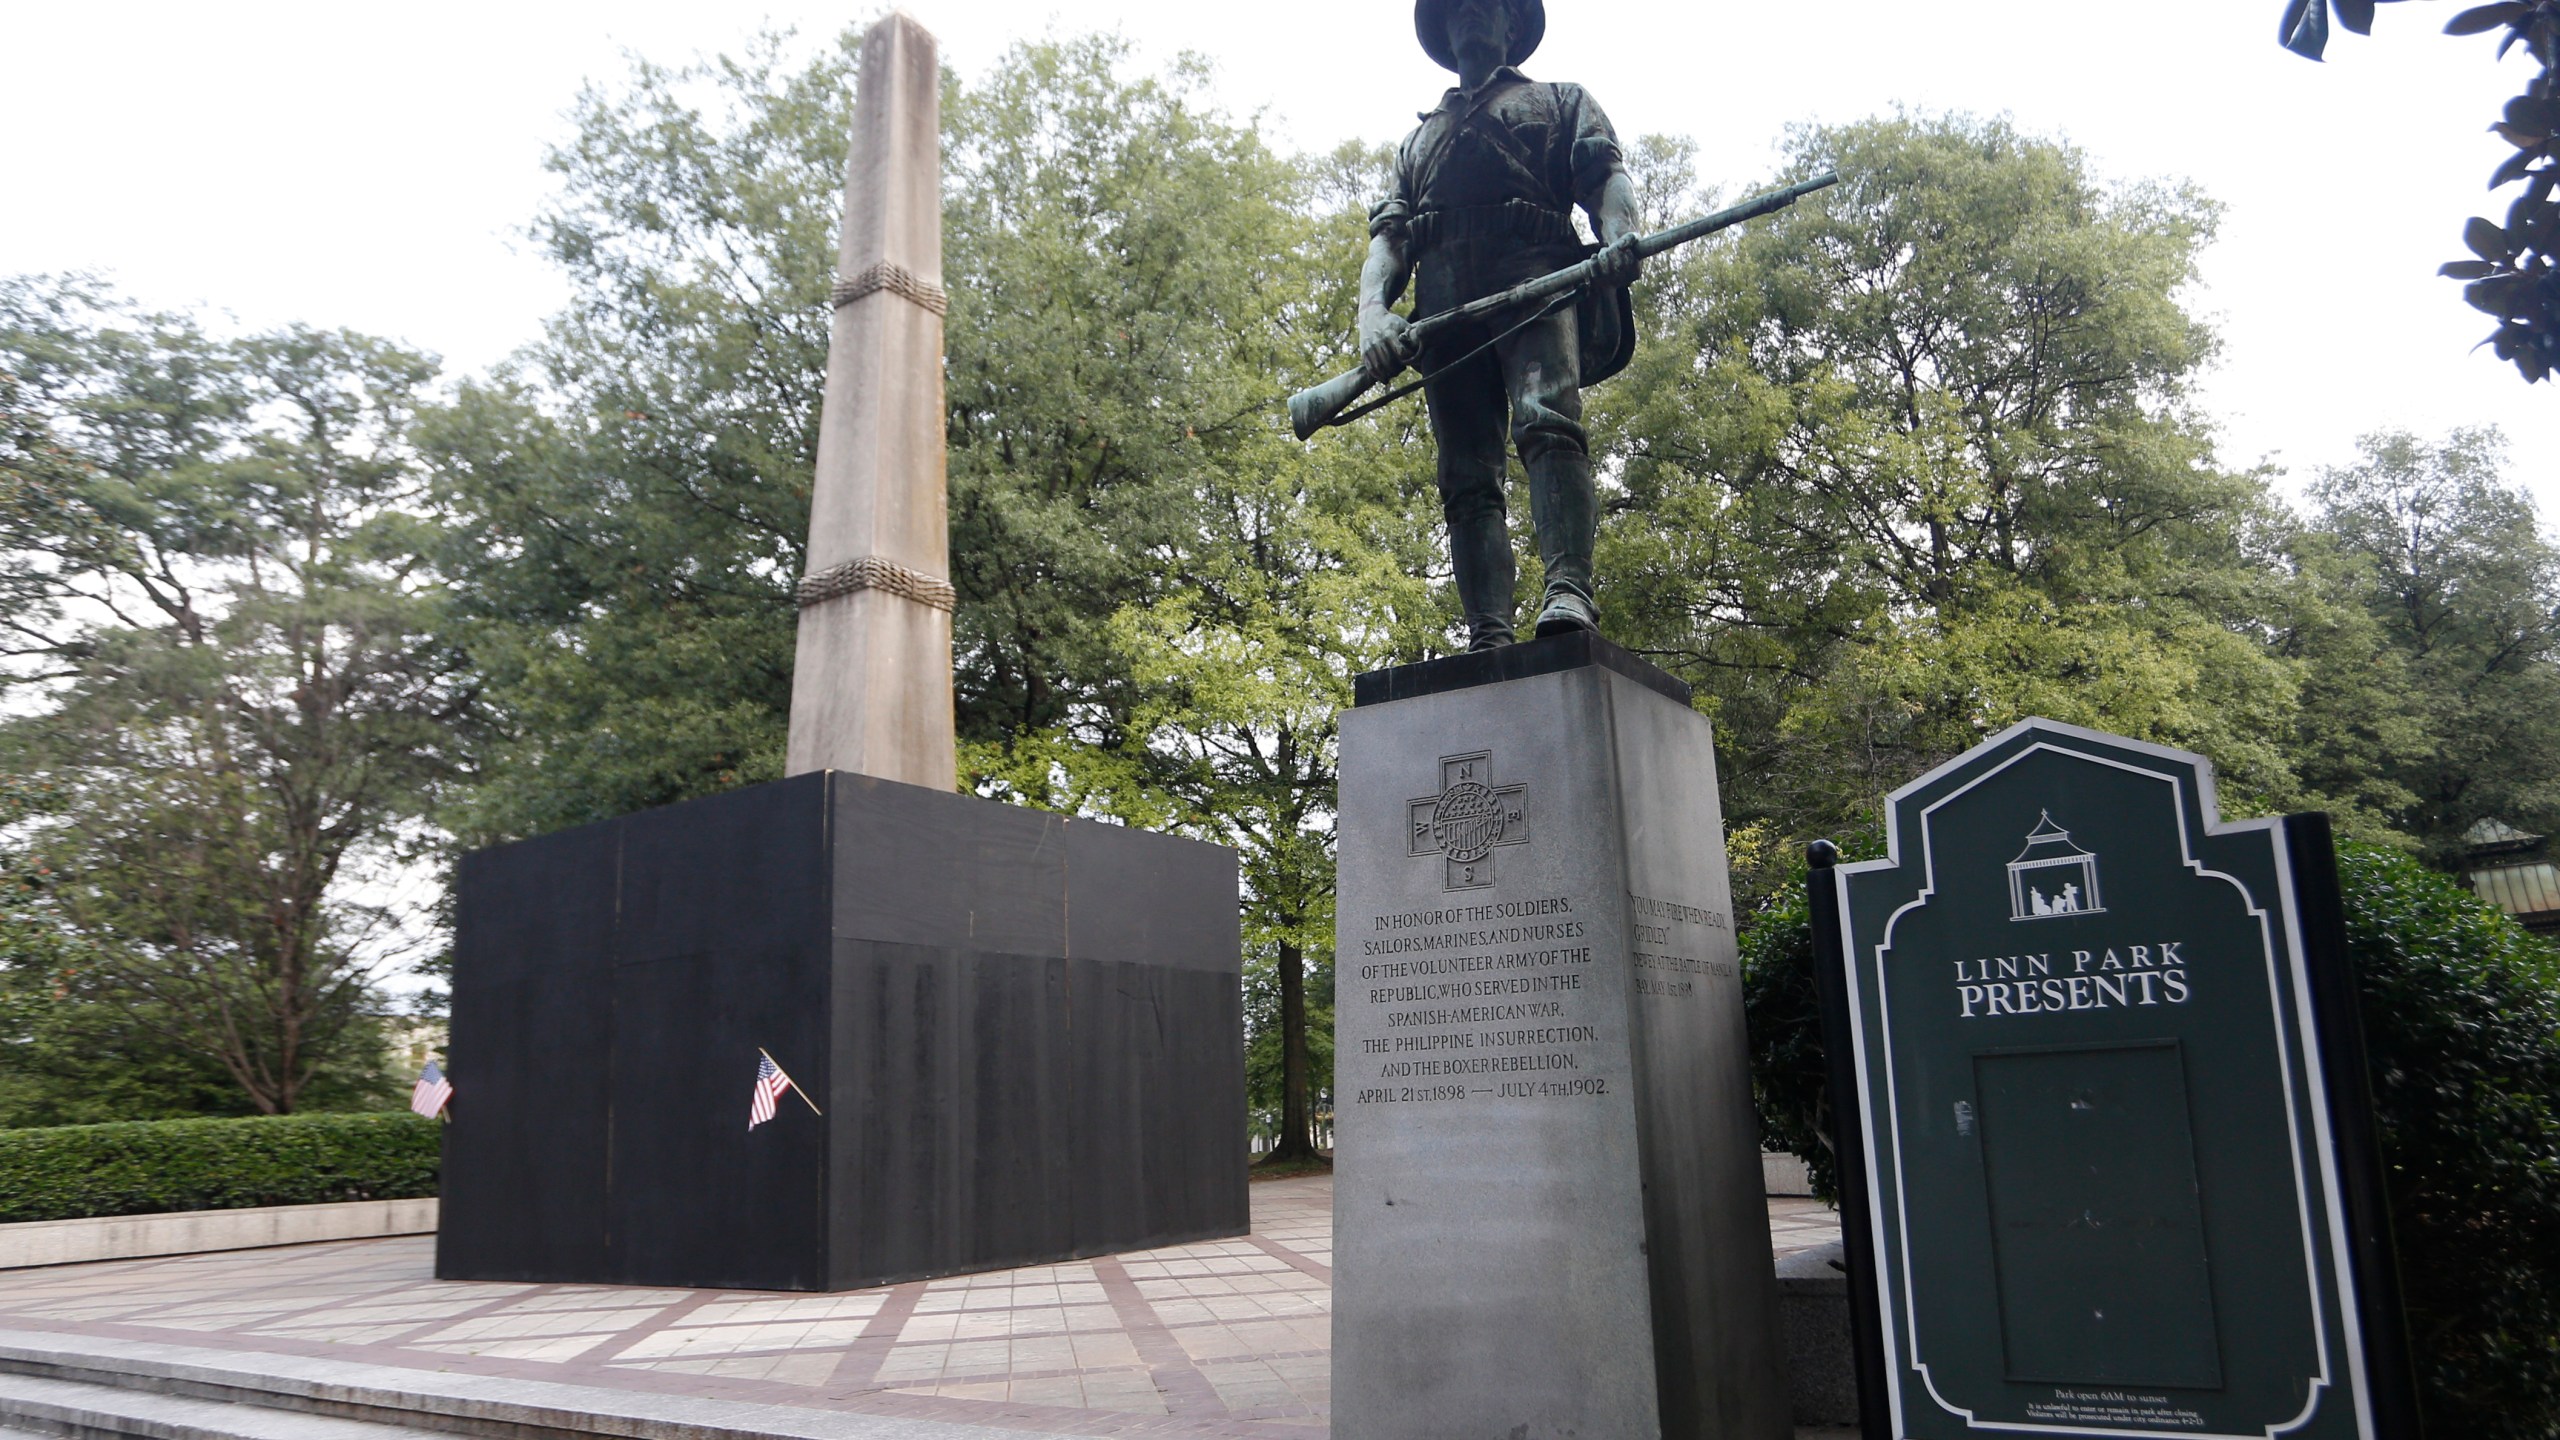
(1297, 1126)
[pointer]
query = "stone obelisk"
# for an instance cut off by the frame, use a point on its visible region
(872, 691)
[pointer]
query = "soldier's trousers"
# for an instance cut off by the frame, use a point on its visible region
(1528, 390)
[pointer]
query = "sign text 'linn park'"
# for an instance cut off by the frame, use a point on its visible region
(2034, 984)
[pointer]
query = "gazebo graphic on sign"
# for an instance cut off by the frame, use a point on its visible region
(2052, 876)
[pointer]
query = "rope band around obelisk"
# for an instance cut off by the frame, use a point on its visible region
(870, 572)
(895, 278)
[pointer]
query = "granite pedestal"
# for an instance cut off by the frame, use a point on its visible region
(1547, 1209)
(1025, 1031)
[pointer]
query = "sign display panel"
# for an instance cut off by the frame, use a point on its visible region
(2112, 1152)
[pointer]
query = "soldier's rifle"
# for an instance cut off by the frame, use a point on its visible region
(1317, 406)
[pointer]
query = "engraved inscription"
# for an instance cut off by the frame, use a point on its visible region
(1669, 951)
(1484, 1001)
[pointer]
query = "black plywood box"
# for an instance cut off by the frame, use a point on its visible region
(1026, 1031)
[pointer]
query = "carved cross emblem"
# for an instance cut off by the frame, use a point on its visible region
(1468, 820)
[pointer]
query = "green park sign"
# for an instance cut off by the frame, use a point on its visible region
(2108, 1158)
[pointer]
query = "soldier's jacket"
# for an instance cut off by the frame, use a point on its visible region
(1484, 190)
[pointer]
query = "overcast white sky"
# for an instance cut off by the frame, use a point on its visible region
(372, 166)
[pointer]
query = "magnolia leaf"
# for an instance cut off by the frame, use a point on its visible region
(2540, 229)
(2490, 296)
(2356, 15)
(2306, 28)
(2509, 296)
(2515, 168)
(2533, 112)
(2486, 239)
(2487, 17)
(2467, 269)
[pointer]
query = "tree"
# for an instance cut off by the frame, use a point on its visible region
(629, 503)
(1915, 459)
(1276, 574)
(2463, 591)
(226, 673)
(65, 1057)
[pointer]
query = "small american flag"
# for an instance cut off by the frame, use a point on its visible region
(431, 1092)
(770, 1083)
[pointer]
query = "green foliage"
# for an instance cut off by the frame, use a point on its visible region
(149, 1167)
(2460, 711)
(225, 685)
(1782, 1009)
(2461, 1012)
(2462, 1023)
(628, 508)
(1129, 269)
(1266, 1047)
(63, 1060)
(1914, 459)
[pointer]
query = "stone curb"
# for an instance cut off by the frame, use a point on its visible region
(188, 1232)
(442, 1400)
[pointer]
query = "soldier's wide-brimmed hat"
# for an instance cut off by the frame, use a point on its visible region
(1430, 23)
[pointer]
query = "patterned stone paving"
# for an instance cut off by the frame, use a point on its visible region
(1227, 1338)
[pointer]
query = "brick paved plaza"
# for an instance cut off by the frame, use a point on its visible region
(1227, 1338)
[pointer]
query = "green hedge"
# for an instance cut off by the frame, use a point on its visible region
(2462, 1027)
(145, 1167)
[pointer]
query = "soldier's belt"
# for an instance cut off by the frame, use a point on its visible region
(1517, 221)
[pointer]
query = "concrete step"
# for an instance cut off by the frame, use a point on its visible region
(98, 1388)
(264, 1388)
(31, 1405)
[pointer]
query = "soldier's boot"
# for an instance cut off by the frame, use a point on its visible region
(1480, 553)
(1567, 514)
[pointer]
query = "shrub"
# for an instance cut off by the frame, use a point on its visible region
(2461, 1013)
(2462, 1026)
(1783, 1007)
(145, 1167)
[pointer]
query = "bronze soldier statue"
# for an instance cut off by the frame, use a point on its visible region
(1481, 202)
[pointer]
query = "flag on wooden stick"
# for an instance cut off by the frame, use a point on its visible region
(428, 1097)
(770, 1083)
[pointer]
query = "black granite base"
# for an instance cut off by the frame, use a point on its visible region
(1026, 1032)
